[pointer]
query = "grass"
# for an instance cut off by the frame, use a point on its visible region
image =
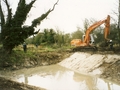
(18, 55)
(34, 49)
(0, 45)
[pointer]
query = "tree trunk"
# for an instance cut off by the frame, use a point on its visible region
(13, 32)
(119, 23)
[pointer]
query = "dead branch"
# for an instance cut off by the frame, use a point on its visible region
(54, 5)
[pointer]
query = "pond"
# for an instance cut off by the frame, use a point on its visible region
(55, 77)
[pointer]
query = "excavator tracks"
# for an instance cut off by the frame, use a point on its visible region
(84, 48)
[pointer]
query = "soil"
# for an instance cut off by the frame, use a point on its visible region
(103, 64)
(6, 84)
(40, 59)
(112, 71)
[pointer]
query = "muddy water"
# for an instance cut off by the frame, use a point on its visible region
(55, 77)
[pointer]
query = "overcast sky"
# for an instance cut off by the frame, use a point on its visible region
(69, 14)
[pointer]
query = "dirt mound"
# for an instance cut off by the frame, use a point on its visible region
(100, 64)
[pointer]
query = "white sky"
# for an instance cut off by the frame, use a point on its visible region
(69, 14)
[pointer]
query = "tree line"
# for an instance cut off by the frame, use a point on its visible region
(50, 37)
(14, 32)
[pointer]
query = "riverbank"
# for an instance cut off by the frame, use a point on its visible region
(101, 64)
(19, 60)
(110, 70)
(6, 84)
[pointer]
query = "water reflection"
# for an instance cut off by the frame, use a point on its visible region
(56, 77)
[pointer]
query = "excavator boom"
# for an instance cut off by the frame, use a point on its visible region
(94, 26)
(107, 28)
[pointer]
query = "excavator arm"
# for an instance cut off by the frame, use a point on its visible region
(107, 28)
(94, 26)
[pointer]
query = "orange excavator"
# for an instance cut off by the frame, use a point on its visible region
(86, 42)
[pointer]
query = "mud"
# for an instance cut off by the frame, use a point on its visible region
(105, 65)
(37, 59)
(6, 84)
(101, 64)
(40, 59)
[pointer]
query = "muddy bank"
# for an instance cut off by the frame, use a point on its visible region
(6, 84)
(28, 60)
(38, 59)
(112, 71)
(104, 65)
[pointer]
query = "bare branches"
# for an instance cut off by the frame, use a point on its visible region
(54, 5)
(38, 20)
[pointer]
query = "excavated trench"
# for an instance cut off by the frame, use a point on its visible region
(56, 77)
(103, 65)
(87, 62)
(80, 70)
